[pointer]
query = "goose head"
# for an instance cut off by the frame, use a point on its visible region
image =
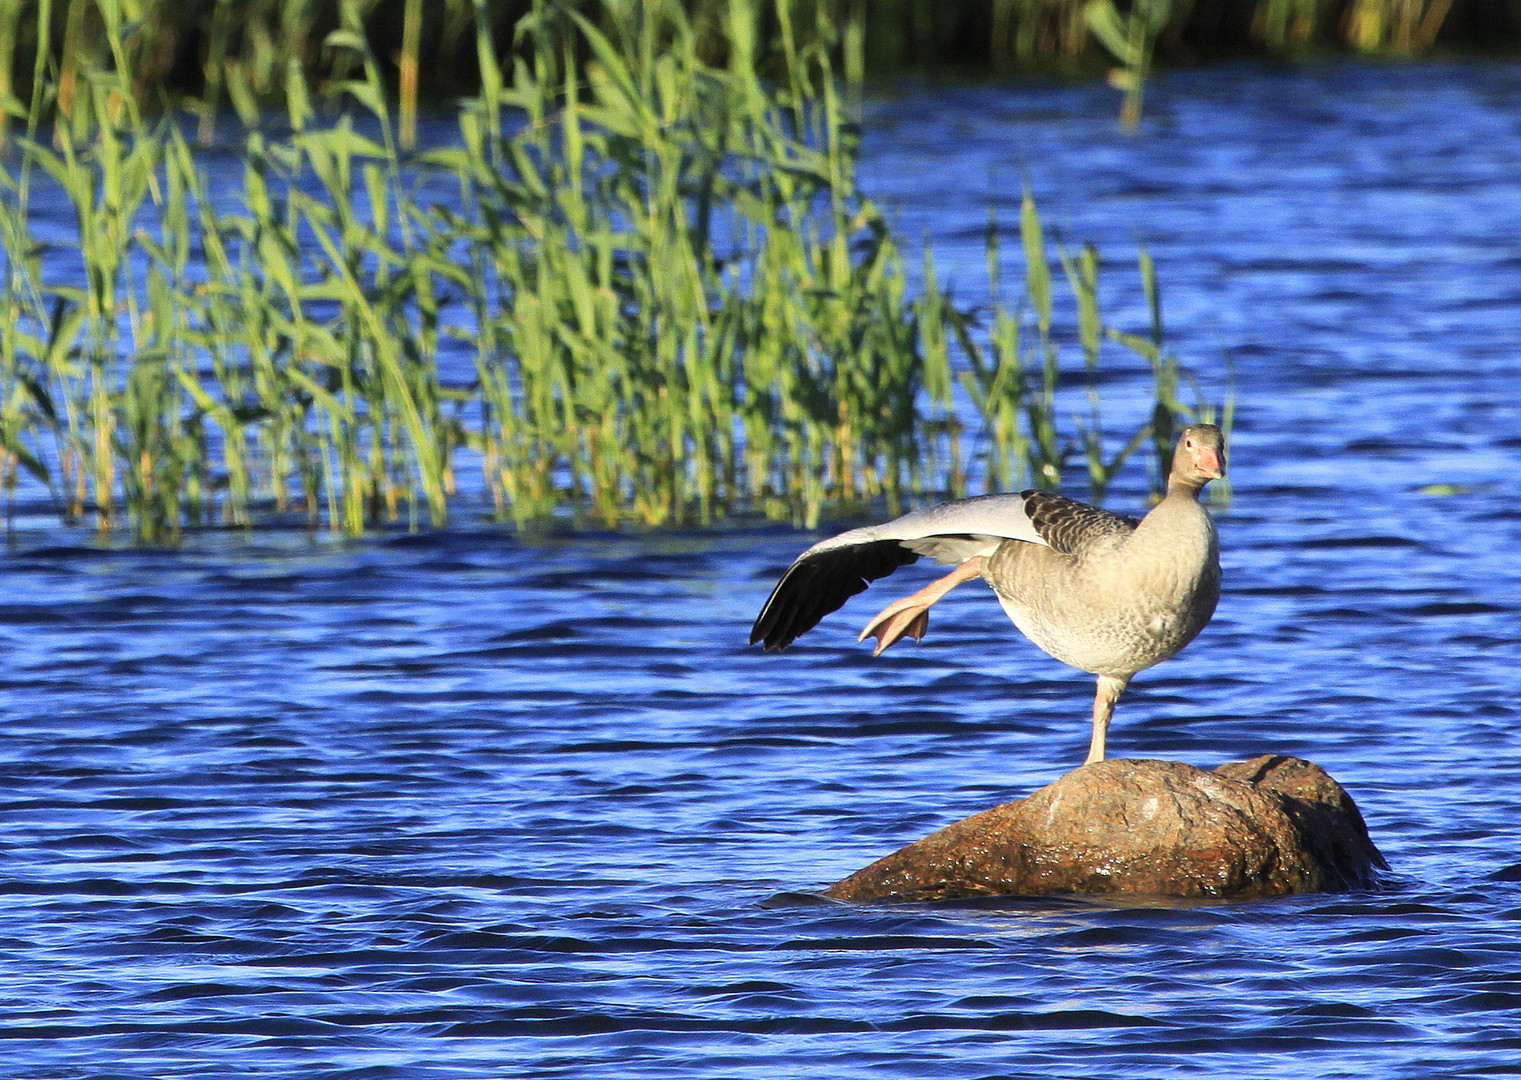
(1198, 458)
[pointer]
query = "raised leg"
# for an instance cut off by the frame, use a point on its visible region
(909, 617)
(1109, 691)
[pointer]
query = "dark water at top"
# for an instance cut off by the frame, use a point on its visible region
(462, 806)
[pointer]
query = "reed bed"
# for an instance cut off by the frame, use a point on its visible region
(632, 286)
(241, 52)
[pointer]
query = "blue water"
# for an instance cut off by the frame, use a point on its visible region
(461, 805)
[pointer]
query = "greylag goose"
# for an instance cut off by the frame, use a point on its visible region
(1109, 595)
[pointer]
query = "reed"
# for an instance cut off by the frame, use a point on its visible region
(235, 51)
(635, 288)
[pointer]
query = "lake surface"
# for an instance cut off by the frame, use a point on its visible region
(459, 805)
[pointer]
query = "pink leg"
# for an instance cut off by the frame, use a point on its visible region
(1109, 690)
(909, 617)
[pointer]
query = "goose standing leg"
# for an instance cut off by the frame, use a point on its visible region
(1109, 690)
(909, 617)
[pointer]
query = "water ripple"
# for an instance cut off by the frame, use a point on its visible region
(456, 804)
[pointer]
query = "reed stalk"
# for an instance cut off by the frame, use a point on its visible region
(244, 49)
(650, 294)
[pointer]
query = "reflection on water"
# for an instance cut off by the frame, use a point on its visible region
(459, 805)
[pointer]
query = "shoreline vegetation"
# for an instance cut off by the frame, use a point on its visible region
(638, 284)
(241, 53)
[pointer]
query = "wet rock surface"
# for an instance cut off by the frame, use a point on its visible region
(1270, 826)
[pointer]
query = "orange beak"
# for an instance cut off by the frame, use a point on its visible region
(1210, 464)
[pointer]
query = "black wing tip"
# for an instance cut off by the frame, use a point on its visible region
(771, 645)
(819, 585)
(772, 635)
(767, 641)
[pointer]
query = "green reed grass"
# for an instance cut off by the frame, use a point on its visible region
(655, 295)
(241, 52)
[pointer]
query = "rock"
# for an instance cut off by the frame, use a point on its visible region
(1270, 826)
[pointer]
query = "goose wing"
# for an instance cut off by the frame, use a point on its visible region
(832, 571)
(1069, 526)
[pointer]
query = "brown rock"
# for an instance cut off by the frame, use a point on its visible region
(1270, 826)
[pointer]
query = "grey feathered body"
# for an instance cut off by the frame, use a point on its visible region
(1110, 595)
